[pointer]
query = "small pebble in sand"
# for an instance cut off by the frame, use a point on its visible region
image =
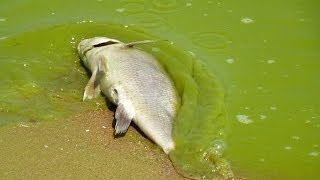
(87, 130)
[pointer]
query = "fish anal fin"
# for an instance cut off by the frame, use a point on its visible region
(123, 119)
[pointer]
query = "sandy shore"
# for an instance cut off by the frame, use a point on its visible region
(81, 147)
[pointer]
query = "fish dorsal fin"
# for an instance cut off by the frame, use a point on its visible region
(131, 44)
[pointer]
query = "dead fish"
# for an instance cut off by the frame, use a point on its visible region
(134, 81)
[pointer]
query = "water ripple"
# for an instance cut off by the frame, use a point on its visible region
(165, 6)
(210, 40)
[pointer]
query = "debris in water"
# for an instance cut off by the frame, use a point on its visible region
(287, 147)
(120, 10)
(273, 108)
(271, 61)
(314, 153)
(295, 137)
(244, 119)
(263, 116)
(230, 60)
(246, 20)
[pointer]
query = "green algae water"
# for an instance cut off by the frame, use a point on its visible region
(265, 54)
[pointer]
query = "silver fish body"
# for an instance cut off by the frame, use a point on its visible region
(136, 83)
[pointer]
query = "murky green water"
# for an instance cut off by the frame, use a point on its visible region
(264, 53)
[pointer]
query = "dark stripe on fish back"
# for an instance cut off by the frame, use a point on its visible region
(105, 43)
(100, 45)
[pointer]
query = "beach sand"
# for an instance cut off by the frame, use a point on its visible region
(80, 147)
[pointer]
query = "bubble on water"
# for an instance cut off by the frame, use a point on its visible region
(246, 20)
(301, 19)
(263, 116)
(243, 119)
(271, 61)
(287, 148)
(246, 108)
(53, 13)
(314, 153)
(3, 19)
(295, 137)
(189, 4)
(261, 159)
(24, 65)
(218, 147)
(120, 10)
(229, 11)
(273, 108)
(205, 14)
(230, 61)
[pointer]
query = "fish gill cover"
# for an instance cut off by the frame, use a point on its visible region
(44, 81)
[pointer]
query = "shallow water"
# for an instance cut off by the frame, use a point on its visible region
(264, 53)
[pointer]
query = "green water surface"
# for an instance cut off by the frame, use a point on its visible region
(265, 54)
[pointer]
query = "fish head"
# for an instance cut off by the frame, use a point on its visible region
(87, 46)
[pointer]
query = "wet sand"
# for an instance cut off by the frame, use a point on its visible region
(81, 147)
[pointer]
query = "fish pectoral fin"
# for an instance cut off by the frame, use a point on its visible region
(92, 89)
(123, 118)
